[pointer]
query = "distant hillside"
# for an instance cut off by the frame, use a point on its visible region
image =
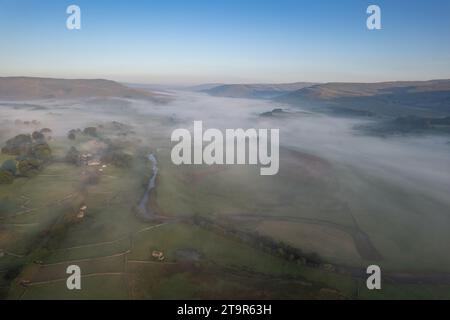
(203, 87)
(408, 125)
(420, 98)
(255, 91)
(27, 88)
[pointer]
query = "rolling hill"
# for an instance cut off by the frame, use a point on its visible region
(255, 91)
(391, 99)
(29, 88)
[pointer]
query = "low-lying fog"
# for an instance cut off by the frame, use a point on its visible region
(405, 180)
(421, 162)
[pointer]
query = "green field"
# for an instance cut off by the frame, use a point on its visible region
(298, 235)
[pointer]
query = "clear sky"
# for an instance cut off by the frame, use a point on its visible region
(193, 41)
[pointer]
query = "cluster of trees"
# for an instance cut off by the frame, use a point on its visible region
(73, 156)
(73, 134)
(31, 151)
(19, 167)
(267, 244)
(113, 155)
(32, 122)
(6, 176)
(20, 144)
(89, 131)
(118, 158)
(123, 130)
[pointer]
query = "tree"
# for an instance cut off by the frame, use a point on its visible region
(73, 156)
(10, 166)
(38, 136)
(117, 158)
(28, 167)
(6, 177)
(72, 134)
(41, 151)
(90, 131)
(20, 144)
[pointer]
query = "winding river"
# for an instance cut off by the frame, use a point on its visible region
(143, 204)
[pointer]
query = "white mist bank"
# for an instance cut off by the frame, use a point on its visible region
(395, 189)
(421, 162)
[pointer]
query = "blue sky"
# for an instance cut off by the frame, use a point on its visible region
(189, 41)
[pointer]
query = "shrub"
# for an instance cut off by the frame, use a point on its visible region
(18, 145)
(10, 166)
(28, 167)
(117, 158)
(73, 156)
(38, 136)
(72, 134)
(6, 177)
(41, 151)
(90, 131)
(46, 130)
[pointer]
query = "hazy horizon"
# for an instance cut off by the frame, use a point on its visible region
(178, 84)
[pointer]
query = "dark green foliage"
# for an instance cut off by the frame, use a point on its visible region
(18, 145)
(31, 146)
(38, 136)
(46, 130)
(118, 158)
(73, 156)
(28, 167)
(90, 131)
(41, 151)
(72, 134)
(265, 243)
(10, 165)
(6, 177)
(24, 166)
(12, 272)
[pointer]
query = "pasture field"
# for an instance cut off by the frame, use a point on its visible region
(110, 286)
(406, 224)
(330, 243)
(315, 205)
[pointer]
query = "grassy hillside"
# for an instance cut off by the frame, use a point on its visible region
(255, 91)
(28, 88)
(402, 107)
